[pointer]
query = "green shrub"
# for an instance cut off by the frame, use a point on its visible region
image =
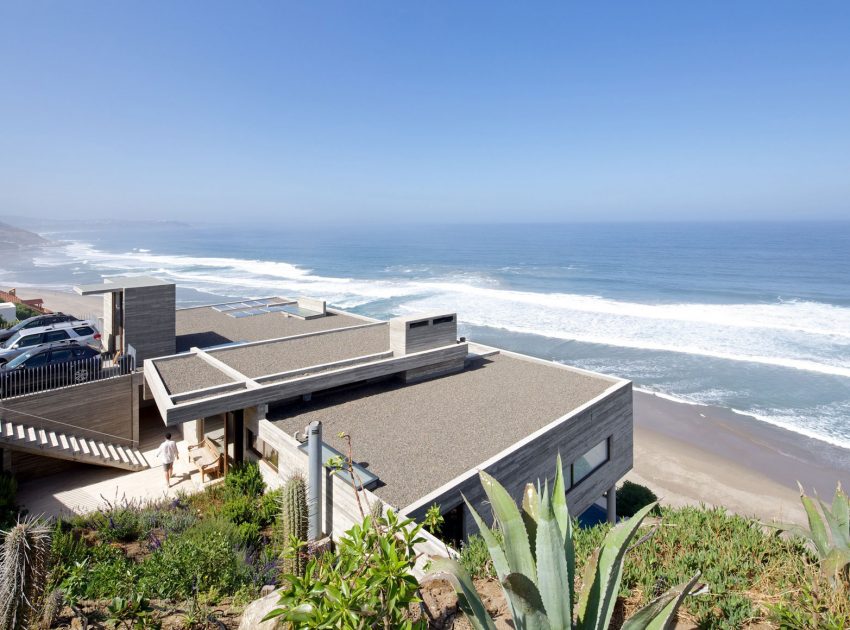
(8, 500)
(120, 524)
(269, 507)
(207, 556)
(249, 534)
(366, 584)
(631, 497)
(246, 480)
(105, 573)
(239, 509)
(475, 558)
(22, 312)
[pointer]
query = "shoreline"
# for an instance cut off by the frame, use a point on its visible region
(687, 454)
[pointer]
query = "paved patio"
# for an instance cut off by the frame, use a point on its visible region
(85, 488)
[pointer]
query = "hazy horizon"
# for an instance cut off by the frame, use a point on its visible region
(404, 114)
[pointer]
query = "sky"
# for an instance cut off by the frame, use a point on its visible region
(421, 112)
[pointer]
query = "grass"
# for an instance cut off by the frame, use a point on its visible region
(752, 576)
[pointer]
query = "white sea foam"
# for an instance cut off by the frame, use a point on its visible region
(794, 334)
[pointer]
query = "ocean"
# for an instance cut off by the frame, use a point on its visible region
(750, 317)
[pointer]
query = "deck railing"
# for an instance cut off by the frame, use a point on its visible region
(25, 381)
(36, 305)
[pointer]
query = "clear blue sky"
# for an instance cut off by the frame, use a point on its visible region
(427, 111)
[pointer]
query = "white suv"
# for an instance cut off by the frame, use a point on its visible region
(62, 333)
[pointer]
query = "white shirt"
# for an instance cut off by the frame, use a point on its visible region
(167, 451)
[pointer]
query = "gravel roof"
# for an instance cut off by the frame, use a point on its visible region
(303, 352)
(204, 327)
(418, 437)
(184, 374)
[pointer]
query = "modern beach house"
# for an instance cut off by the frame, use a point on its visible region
(424, 409)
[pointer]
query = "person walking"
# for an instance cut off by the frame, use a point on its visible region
(167, 452)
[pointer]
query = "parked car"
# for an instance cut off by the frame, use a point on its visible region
(56, 366)
(37, 322)
(57, 334)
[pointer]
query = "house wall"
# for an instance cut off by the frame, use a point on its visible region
(150, 320)
(110, 406)
(340, 510)
(535, 459)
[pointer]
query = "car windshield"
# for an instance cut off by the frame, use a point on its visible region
(18, 360)
(12, 340)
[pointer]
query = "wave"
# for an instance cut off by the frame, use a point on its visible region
(785, 334)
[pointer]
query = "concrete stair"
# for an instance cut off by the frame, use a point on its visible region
(47, 443)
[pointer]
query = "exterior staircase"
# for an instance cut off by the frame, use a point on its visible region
(47, 443)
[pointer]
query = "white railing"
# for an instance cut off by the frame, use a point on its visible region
(24, 381)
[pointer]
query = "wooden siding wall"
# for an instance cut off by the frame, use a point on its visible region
(109, 406)
(339, 505)
(150, 320)
(30, 466)
(610, 417)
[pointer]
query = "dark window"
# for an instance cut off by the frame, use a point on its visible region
(453, 525)
(55, 335)
(424, 322)
(32, 340)
(444, 320)
(61, 355)
(585, 465)
(34, 324)
(84, 331)
(37, 361)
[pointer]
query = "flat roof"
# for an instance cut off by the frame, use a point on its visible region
(273, 357)
(204, 326)
(117, 283)
(418, 437)
(183, 374)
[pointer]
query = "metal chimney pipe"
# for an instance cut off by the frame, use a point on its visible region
(314, 480)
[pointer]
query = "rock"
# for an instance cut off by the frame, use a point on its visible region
(268, 588)
(256, 610)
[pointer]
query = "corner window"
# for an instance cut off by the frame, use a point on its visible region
(590, 461)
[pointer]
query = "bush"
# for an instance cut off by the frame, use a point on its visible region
(631, 497)
(8, 500)
(475, 558)
(239, 509)
(22, 312)
(269, 508)
(245, 480)
(207, 556)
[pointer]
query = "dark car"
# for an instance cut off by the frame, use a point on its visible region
(44, 368)
(35, 322)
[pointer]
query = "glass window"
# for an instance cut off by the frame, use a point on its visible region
(84, 331)
(61, 355)
(32, 340)
(590, 461)
(37, 361)
(18, 360)
(55, 335)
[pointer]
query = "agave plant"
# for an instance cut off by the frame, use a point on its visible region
(535, 564)
(828, 534)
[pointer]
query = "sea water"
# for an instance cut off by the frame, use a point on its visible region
(752, 317)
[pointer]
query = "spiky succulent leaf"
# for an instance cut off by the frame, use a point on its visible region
(526, 599)
(816, 525)
(565, 523)
(553, 577)
(517, 546)
(838, 537)
(497, 554)
(841, 512)
(660, 613)
(835, 562)
(530, 513)
(468, 600)
(596, 604)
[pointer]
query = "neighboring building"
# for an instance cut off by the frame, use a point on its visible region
(425, 411)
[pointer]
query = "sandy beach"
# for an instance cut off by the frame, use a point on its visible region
(687, 454)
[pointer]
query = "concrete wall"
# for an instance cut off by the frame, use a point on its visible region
(610, 417)
(110, 406)
(339, 504)
(423, 332)
(150, 320)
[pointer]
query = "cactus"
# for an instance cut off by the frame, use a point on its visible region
(535, 563)
(293, 522)
(23, 573)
